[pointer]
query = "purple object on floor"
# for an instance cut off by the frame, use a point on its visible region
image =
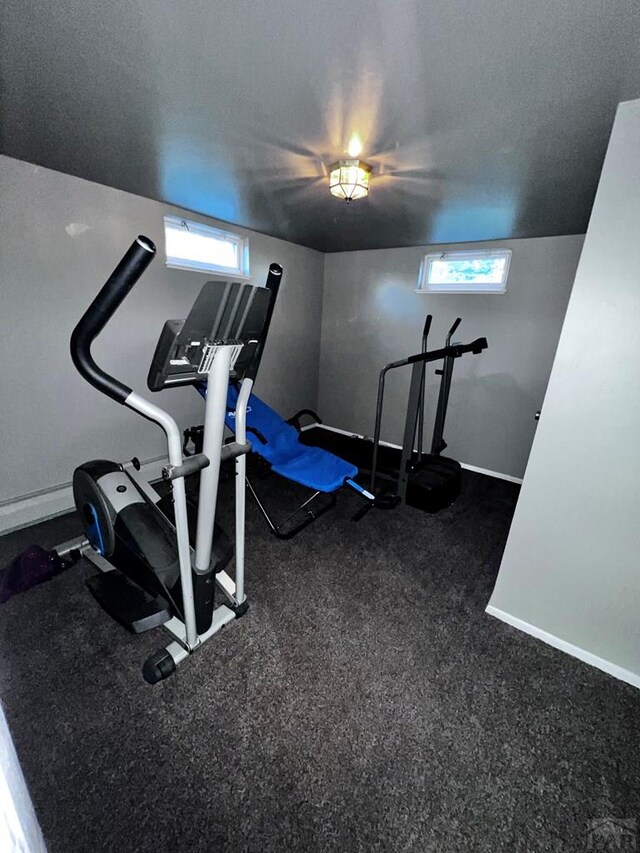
(33, 566)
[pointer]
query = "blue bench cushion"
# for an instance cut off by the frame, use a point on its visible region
(310, 466)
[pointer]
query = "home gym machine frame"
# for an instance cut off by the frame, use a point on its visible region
(212, 358)
(402, 474)
(414, 419)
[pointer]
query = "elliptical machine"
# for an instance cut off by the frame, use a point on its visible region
(149, 575)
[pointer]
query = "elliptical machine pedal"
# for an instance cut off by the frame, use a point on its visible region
(127, 603)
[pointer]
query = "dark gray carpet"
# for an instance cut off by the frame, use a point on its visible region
(365, 703)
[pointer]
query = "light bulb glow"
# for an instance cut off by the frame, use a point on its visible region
(354, 149)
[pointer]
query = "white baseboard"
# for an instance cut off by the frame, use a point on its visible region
(31, 509)
(489, 473)
(613, 669)
(477, 470)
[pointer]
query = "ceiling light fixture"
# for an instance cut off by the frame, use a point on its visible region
(349, 179)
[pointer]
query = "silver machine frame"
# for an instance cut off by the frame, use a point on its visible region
(185, 637)
(221, 347)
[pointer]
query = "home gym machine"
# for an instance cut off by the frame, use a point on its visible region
(404, 475)
(427, 481)
(149, 575)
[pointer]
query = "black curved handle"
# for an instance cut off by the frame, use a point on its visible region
(294, 420)
(456, 323)
(274, 278)
(133, 264)
(427, 326)
(257, 434)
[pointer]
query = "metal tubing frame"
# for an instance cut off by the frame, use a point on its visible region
(438, 443)
(174, 445)
(186, 633)
(410, 424)
(241, 476)
(421, 411)
(378, 427)
(449, 353)
(311, 516)
(215, 410)
(425, 340)
(99, 312)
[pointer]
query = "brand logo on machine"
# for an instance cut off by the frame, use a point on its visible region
(233, 414)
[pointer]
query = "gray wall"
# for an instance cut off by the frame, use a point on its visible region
(61, 237)
(371, 315)
(572, 561)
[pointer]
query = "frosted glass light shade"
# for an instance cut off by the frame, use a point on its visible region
(349, 179)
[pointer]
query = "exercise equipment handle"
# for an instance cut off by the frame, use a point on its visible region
(135, 261)
(456, 323)
(294, 420)
(274, 279)
(451, 351)
(427, 327)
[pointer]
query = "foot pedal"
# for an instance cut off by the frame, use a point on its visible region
(127, 603)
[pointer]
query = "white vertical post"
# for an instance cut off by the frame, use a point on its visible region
(184, 554)
(215, 410)
(174, 446)
(241, 475)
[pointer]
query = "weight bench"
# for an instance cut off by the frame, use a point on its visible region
(277, 442)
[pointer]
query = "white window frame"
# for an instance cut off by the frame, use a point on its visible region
(241, 271)
(424, 286)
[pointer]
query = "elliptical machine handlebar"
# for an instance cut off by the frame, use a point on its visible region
(274, 279)
(456, 323)
(106, 303)
(426, 330)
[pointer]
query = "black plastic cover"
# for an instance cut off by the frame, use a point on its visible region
(223, 312)
(128, 603)
(158, 666)
(249, 368)
(434, 484)
(141, 528)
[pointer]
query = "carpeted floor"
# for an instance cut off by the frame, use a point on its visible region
(365, 703)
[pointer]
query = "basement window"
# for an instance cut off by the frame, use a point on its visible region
(465, 272)
(202, 248)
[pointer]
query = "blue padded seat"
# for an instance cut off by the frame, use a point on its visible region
(310, 466)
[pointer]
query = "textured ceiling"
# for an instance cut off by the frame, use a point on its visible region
(482, 118)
